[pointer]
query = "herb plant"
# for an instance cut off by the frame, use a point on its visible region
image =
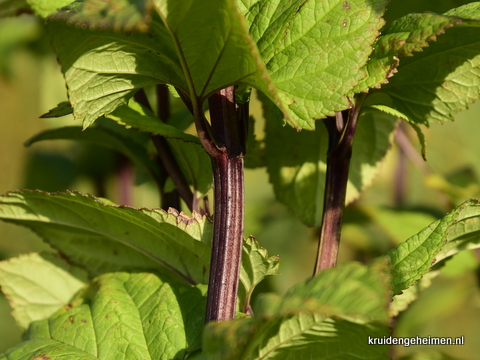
(142, 283)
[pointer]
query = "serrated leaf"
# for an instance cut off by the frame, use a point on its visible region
(37, 285)
(296, 162)
(314, 51)
(105, 238)
(294, 336)
(62, 109)
(121, 316)
(105, 138)
(256, 265)
(457, 231)
(330, 315)
(139, 117)
(47, 7)
(402, 301)
(444, 78)
(190, 47)
(403, 37)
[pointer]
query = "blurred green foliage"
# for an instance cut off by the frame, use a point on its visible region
(31, 84)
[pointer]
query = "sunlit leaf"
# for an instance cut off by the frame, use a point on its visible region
(37, 285)
(104, 238)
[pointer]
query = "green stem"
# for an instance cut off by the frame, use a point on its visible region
(341, 131)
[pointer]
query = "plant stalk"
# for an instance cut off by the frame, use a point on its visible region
(341, 131)
(226, 150)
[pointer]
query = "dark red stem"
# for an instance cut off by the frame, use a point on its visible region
(341, 130)
(226, 149)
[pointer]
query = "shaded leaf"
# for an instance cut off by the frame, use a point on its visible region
(62, 109)
(139, 117)
(105, 238)
(105, 138)
(121, 316)
(296, 162)
(37, 285)
(195, 164)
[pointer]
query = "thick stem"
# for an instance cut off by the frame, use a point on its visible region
(227, 238)
(226, 150)
(341, 130)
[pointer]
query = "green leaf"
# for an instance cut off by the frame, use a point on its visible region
(302, 326)
(62, 109)
(351, 290)
(105, 238)
(137, 116)
(46, 7)
(190, 47)
(314, 51)
(118, 15)
(294, 336)
(403, 37)
(37, 285)
(457, 231)
(121, 316)
(256, 265)
(403, 300)
(389, 110)
(195, 164)
(102, 137)
(296, 162)
(424, 92)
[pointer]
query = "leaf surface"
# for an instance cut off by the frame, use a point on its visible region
(46, 7)
(256, 265)
(105, 138)
(190, 45)
(459, 230)
(296, 162)
(314, 51)
(139, 117)
(299, 326)
(404, 37)
(444, 78)
(37, 285)
(121, 316)
(105, 238)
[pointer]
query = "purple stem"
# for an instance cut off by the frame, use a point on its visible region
(341, 130)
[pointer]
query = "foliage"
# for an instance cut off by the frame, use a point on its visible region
(132, 283)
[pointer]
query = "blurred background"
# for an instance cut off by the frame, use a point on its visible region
(387, 213)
